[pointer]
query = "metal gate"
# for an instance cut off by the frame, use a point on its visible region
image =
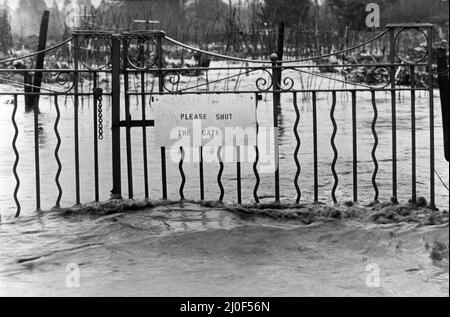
(116, 59)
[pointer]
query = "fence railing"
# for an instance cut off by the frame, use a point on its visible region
(131, 69)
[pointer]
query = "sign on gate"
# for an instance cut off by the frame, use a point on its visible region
(205, 120)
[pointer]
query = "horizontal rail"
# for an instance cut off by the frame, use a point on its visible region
(46, 94)
(137, 123)
(255, 68)
(52, 70)
(409, 25)
(169, 39)
(269, 67)
(268, 61)
(217, 92)
(36, 53)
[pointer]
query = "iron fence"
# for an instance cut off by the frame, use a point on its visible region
(126, 56)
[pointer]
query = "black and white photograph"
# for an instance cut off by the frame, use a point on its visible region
(224, 153)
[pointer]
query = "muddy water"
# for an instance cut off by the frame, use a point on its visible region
(189, 250)
(183, 250)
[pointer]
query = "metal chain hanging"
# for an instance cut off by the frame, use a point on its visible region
(98, 97)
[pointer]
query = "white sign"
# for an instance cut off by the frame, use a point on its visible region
(205, 120)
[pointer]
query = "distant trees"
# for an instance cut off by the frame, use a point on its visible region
(348, 13)
(434, 11)
(6, 40)
(293, 12)
(27, 17)
(245, 26)
(206, 16)
(56, 24)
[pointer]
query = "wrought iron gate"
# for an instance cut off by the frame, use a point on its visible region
(115, 59)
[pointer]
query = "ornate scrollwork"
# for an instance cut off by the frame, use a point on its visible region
(378, 75)
(408, 47)
(173, 78)
(63, 79)
(287, 83)
(141, 52)
(95, 52)
(264, 84)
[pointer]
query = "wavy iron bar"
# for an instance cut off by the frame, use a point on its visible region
(219, 175)
(333, 145)
(255, 164)
(375, 145)
(16, 162)
(183, 176)
(58, 145)
(297, 149)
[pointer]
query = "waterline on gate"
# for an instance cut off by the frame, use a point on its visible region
(304, 213)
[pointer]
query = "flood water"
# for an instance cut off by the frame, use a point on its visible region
(189, 250)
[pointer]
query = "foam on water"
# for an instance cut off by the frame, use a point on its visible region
(189, 250)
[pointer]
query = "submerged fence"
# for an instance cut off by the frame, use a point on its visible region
(107, 63)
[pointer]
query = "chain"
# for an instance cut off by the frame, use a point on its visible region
(98, 97)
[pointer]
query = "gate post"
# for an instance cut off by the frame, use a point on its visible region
(40, 60)
(160, 64)
(442, 69)
(116, 192)
(276, 109)
(280, 48)
(276, 59)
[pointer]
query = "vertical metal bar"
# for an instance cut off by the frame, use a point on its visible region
(442, 69)
(375, 145)
(333, 145)
(431, 96)
(219, 175)
(58, 145)
(144, 136)
(127, 119)
(75, 110)
(164, 172)
(160, 65)
(276, 107)
(280, 48)
(183, 176)
(315, 149)
(255, 164)
(36, 158)
(116, 192)
(202, 183)
(393, 114)
(95, 110)
(355, 148)
(297, 149)
(16, 153)
(238, 174)
(413, 134)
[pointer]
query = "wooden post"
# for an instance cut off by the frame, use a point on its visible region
(39, 62)
(442, 68)
(28, 84)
